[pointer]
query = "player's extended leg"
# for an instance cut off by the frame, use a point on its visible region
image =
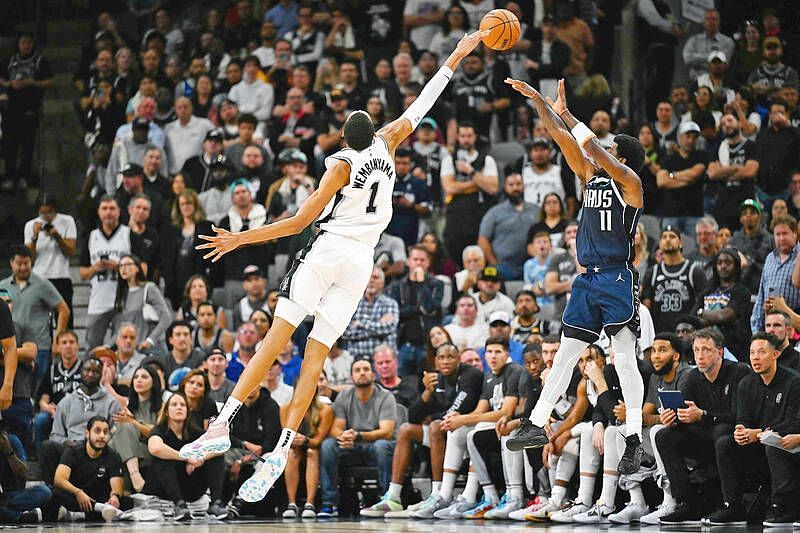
(531, 433)
(630, 380)
(216, 439)
(255, 488)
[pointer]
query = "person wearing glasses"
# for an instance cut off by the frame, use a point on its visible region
(134, 295)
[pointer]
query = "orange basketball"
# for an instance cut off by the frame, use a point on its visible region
(504, 29)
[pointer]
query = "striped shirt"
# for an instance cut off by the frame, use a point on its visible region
(371, 331)
(776, 279)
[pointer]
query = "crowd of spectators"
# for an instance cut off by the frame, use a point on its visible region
(225, 115)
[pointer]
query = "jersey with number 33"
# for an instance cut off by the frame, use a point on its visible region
(362, 209)
(607, 226)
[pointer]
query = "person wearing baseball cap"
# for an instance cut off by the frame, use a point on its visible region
(244, 213)
(332, 121)
(489, 298)
(671, 287)
(428, 155)
(716, 77)
(255, 287)
(287, 194)
(752, 239)
(196, 171)
(500, 326)
(132, 186)
(219, 384)
(134, 148)
(680, 181)
(540, 176)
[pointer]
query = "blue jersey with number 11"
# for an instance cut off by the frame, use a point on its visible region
(607, 226)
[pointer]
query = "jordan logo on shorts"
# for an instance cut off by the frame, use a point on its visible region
(619, 277)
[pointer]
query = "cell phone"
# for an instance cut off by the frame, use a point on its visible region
(47, 227)
(104, 257)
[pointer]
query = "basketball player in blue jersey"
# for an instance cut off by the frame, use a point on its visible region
(606, 295)
(351, 207)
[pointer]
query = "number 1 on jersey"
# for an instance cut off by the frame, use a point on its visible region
(371, 205)
(605, 219)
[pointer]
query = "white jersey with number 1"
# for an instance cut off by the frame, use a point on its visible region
(328, 278)
(362, 209)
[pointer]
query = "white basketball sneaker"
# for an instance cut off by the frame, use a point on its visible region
(254, 489)
(216, 439)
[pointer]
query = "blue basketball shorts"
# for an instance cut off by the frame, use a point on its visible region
(602, 297)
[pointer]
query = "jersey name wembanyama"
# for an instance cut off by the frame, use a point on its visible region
(362, 209)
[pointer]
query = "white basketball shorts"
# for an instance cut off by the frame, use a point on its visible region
(327, 280)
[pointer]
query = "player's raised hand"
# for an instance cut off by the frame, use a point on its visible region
(560, 105)
(523, 88)
(468, 42)
(220, 244)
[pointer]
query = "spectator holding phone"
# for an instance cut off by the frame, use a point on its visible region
(781, 274)
(51, 238)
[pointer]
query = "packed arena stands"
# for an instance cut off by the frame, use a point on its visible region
(184, 114)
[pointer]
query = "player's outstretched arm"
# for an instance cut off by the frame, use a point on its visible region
(622, 175)
(396, 131)
(225, 241)
(557, 128)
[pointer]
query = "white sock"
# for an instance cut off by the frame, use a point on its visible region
(637, 496)
(668, 498)
(609, 493)
(229, 410)
(558, 494)
(630, 380)
(98, 507)
(436, 487)
(515, 492)
(633, 422)
(541, 413)
(491, 493)
(552, 462)
(471, 489)
(286, 438)
(447, 484)
(586, 490)
(394, 491)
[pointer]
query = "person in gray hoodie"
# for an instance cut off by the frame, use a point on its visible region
(72, 413)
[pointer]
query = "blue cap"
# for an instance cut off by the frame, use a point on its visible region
(428, 122)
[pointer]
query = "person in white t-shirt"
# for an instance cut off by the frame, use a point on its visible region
(253, 95)
(51, 237)
(540, 176)
(489, 299)
(468, 333)
(423, 18)
(185, 135)
(273, 382)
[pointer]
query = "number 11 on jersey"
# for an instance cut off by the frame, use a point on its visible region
(605, 219)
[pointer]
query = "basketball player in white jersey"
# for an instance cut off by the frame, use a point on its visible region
(352, 207)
